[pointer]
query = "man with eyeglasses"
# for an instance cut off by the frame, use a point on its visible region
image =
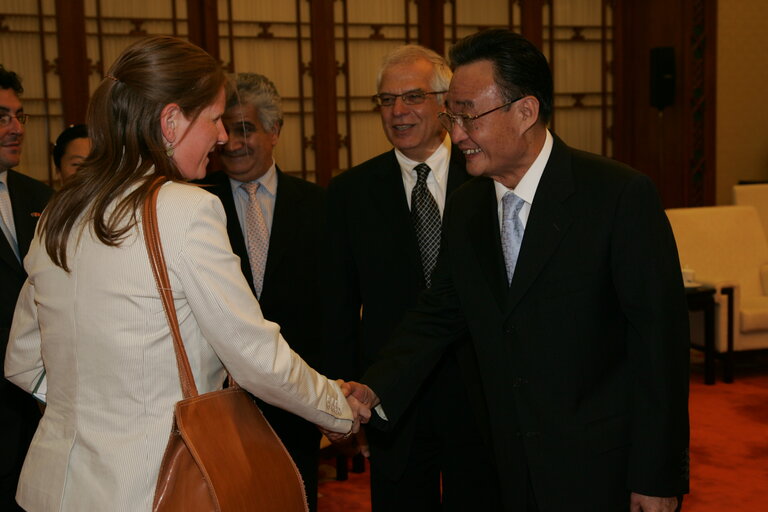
(275, 225)
(22, 199)
(563, 268)
(384, 235)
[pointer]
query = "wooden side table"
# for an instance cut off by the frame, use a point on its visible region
(702, 298)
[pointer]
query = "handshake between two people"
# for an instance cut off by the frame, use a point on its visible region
(361, 400)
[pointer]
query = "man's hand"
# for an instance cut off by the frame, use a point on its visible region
(361, 409)
(360, 414)
(361, 392)
(642, 503)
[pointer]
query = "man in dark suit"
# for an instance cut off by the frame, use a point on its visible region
(563, 268)
(382, 246)
(276, 229)
(22, 199)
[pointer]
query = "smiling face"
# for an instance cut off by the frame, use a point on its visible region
(73, 157)
(196, 138)
(248, 153)
(500, 144)
(12, 135)
(413, 129)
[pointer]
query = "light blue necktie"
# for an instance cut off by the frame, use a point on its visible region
(511, 231)
(6, 220)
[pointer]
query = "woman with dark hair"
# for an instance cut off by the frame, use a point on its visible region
(90, 317)
(70, 150)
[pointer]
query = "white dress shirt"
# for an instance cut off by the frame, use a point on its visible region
(526, 189)
(437, 180)
(266, 195)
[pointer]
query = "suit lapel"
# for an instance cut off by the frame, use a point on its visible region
(387, 194)
(223, 189)
(285, 223)
(8, 256)
(457, 171)
(486, 241)
(24, 219)
(548, 222)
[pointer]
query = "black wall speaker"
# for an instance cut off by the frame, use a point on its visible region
(662, 77)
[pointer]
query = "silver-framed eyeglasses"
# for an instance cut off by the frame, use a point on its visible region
(409, 98)
(5, 119)
(465, 121)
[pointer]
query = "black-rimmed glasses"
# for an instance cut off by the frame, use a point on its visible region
(5, 119)
(465, 121)
(409, 98)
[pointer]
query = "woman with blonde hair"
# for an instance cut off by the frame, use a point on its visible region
(91, 320)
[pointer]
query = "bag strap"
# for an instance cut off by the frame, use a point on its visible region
(157, 260)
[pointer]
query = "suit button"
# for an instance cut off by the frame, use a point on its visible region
(509, 330)
(531, 435)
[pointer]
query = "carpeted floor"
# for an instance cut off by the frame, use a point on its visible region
(729, 440)
(729, 446)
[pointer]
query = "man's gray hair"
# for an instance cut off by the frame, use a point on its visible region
(258, 91)
(441, 78)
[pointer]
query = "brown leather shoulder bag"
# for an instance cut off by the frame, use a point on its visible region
(222, 455)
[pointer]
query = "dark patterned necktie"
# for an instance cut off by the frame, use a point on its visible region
(426, 222)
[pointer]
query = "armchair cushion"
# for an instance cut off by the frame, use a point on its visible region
(754, 314)
(726, 246)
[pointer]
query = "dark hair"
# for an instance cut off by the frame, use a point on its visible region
(128, 152)
(10, 80)
(519, 67)
(76, 131)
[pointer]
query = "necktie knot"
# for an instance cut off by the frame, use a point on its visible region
(422, 171)
(251, 188)
(512, 204)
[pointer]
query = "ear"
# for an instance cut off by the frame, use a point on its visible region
(168, 117)
(274, 134)
(528, 109)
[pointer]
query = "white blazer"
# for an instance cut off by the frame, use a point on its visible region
(101, 334)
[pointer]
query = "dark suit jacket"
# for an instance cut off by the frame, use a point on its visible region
(375, 264)
(290, 294)
(584, 358)
(17, 408)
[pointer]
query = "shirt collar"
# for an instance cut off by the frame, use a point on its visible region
(268, 181)
(437, 161)
(526, 189)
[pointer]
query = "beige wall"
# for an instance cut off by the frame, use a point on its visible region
(742, 94)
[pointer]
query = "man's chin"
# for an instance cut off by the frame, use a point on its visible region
(9, 163)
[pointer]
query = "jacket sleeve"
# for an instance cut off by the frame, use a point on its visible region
(341, 300)
(229, 317)
(23, 358)
(646, 274)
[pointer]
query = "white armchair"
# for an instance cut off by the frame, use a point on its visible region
(726, 247)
